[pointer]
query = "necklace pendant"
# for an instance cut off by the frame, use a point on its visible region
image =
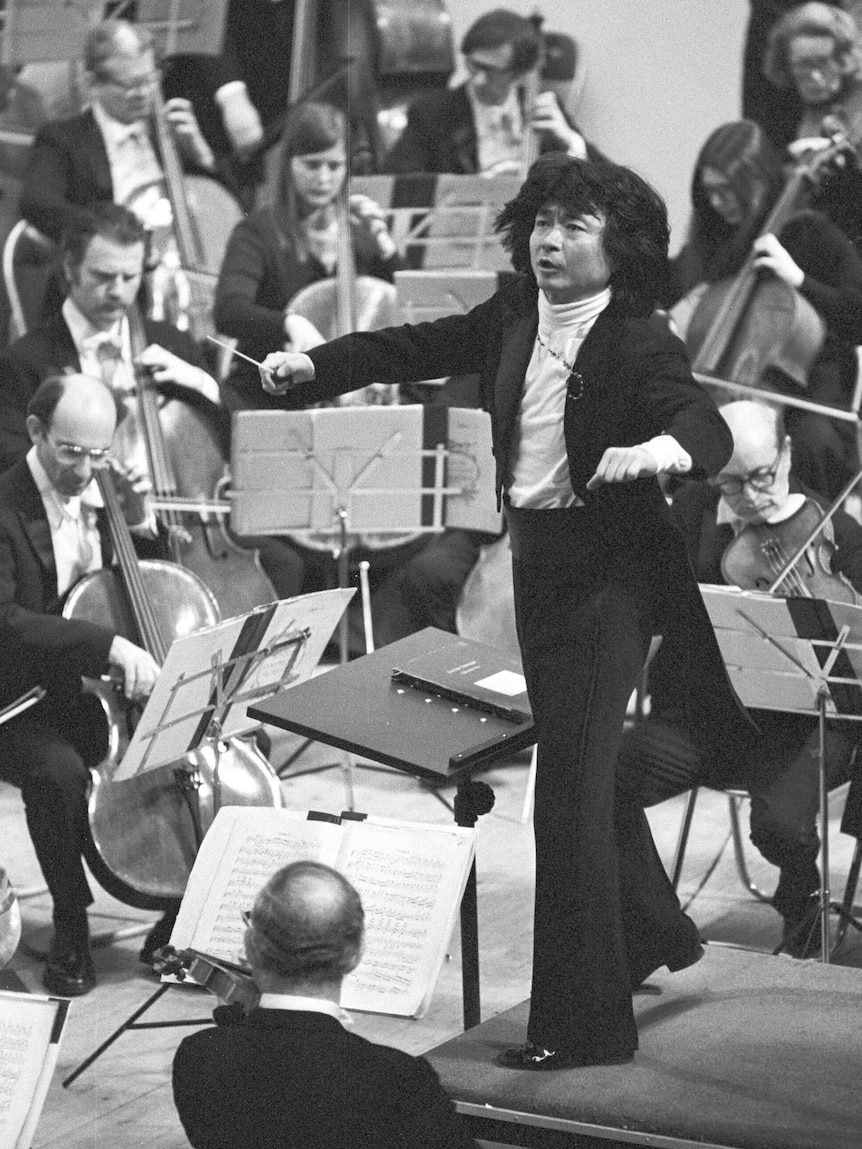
(575, 386)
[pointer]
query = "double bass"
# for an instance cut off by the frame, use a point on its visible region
(144, 831)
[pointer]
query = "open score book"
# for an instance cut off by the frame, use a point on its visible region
(410, 876)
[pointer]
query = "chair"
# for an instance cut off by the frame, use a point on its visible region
(735, 798)
(28, 259)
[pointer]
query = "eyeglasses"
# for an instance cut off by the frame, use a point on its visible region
(761, 479)
(474, 67)
(71, 453)
(142, 84)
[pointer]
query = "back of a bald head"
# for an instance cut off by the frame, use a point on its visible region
(59, 395)
(306, 924)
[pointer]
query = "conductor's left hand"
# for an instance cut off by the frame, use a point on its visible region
(623, 465)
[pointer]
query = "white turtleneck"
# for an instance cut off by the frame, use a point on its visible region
(540, 469)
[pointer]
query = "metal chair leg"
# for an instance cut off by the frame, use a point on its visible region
(682, 840)
(733, 801)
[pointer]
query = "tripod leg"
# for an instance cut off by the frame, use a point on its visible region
(127, 1024)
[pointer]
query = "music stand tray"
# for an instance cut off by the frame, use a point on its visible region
(361, 708)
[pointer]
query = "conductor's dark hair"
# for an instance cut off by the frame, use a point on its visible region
(499, 27)
(307, 925)
(111, 221)
(44, 400)
(636, 233)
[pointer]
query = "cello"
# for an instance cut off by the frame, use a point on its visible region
(185, 460)
(750, 325)
(144, 831)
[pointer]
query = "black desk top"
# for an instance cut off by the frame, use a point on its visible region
(360, 709)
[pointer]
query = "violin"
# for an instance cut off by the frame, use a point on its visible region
(232, 984)
(144, 832)
(759, 555)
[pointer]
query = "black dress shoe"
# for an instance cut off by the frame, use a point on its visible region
(69, 970)
(537, 1058)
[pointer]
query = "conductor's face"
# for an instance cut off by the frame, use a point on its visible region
(567, 254)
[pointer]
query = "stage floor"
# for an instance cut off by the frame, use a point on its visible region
(742, 1050)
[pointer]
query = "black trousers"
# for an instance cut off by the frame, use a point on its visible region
(46, 753)
(606, 915)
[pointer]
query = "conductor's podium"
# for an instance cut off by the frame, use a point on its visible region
(742, 1050)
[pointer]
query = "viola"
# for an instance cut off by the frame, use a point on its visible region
(759, 554)
(144, 832)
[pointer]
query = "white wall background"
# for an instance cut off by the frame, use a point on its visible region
(656, 77)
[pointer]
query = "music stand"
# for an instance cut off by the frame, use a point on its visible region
(800, 655)
(442, 726)
(335, 476)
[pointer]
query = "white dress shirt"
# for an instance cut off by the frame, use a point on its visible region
(133, 163)
(74, 534)
(306, 1005)
(499, 132)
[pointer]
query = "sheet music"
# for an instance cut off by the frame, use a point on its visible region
(30, 1030)
(233, 863)
(410, 892)
(410, 876)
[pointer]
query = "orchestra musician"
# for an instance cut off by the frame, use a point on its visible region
(665, 754)
(103, 264)
(106, 153)
(479, 126)
(291, 1073)
(814, 52)
(52, 532)
(737, 178)
(589, 402)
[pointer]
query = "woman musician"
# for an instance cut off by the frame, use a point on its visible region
(285, 246)
(737, 180)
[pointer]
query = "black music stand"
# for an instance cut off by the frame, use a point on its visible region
(799, 655)
(444, 727)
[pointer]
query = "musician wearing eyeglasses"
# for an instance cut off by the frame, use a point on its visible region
(107, 153)
(480, 125)
(51, 534)
(667, 754)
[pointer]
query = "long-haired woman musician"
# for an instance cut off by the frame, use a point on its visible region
(291, 243)
(738, 177)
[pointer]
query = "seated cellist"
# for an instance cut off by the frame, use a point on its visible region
(737, 179)
(51, 533)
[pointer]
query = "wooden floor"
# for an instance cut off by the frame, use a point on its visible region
(124, 1099)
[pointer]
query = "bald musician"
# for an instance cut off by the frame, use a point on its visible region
(291, 1073)
(666, 754)
(51, 533)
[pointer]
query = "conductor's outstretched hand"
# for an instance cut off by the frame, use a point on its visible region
(283, 370)
(623, 465)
